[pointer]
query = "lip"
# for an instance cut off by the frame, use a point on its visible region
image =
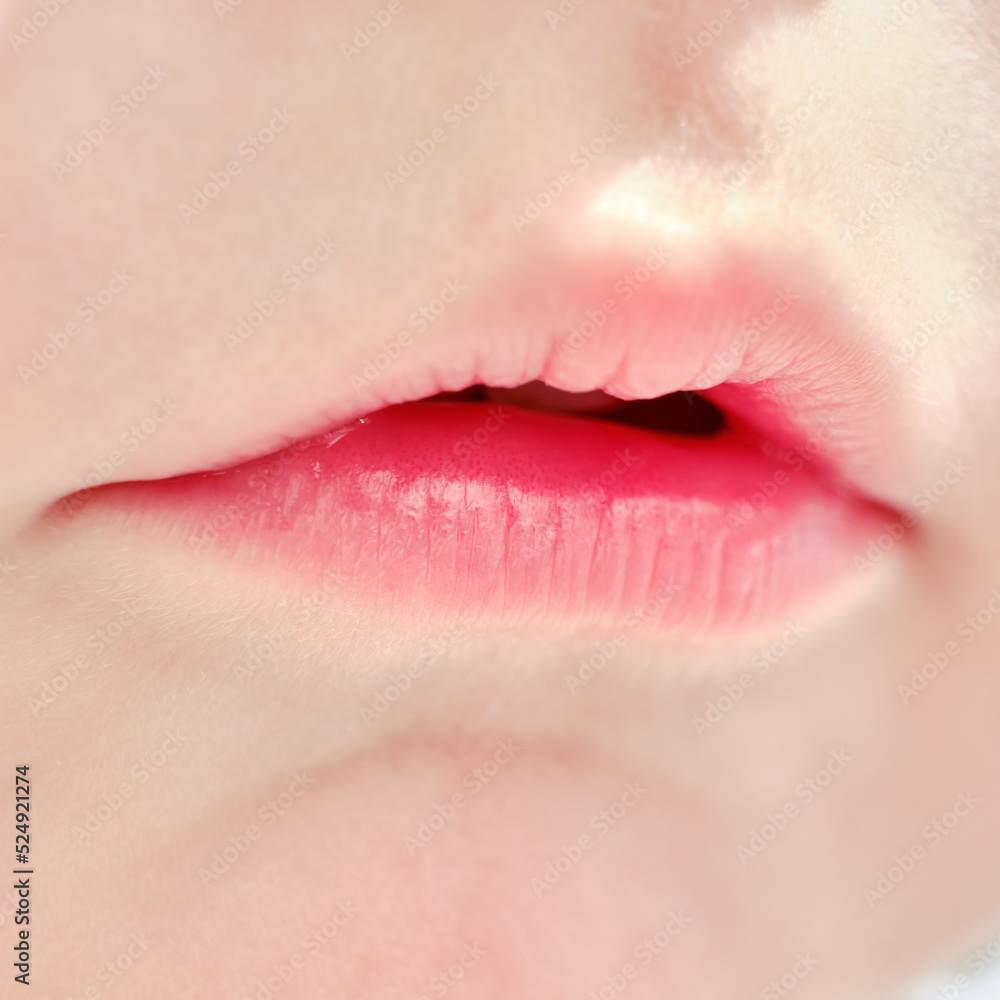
(769, 339)
(516, 518)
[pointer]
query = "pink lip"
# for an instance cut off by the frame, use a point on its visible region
(519, 518)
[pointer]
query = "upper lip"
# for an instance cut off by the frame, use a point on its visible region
(767, 338)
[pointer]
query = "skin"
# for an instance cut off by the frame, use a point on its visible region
(249, 687)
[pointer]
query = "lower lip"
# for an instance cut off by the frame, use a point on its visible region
(522, 519)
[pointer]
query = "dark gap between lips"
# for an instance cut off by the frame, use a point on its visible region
(685, 413)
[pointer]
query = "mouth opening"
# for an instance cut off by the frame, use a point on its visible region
(685, 413)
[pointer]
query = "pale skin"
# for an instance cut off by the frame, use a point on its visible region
(211, 693)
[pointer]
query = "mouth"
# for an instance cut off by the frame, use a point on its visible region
(700, 449)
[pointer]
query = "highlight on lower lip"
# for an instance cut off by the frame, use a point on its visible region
(518, 518)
